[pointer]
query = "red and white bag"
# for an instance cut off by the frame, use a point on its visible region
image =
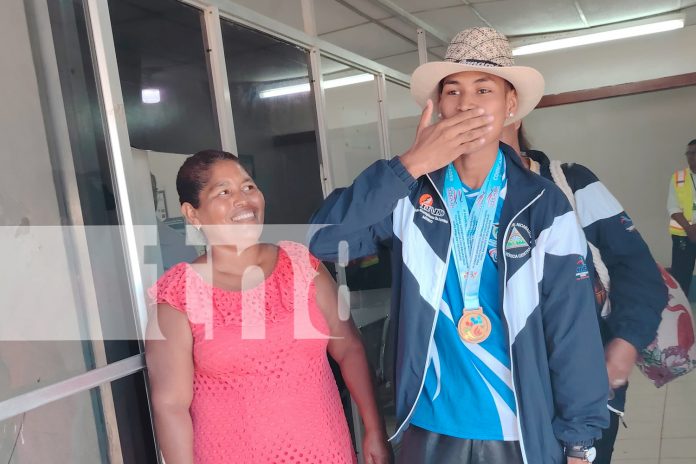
(673, 352)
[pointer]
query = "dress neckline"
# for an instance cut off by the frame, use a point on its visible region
(268, 278)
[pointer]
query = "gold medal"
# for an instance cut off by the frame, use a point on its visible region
(474, 326)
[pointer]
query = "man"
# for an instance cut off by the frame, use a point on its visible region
(680, 204)
(498, 353)
(637, 293)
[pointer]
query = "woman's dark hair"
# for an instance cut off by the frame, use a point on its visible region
(195, 173)
(693, 142)
(522, 139)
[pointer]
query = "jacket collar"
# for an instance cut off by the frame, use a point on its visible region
(523, 184)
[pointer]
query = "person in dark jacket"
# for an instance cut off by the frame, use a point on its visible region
(498, 356)
(636, 295)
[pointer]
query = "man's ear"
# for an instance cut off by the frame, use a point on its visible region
(511, 102)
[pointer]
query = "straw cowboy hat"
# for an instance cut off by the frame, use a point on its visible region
(485, 50)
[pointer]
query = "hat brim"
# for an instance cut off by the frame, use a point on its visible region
(528, 83)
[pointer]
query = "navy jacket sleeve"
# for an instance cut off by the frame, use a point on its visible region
(361, 214)
(574, 347)
(637, 292)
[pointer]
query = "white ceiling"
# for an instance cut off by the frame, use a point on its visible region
(368, 28)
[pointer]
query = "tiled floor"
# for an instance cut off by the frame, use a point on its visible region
(661, 423)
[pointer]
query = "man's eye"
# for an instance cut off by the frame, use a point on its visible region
(484, 91)
(224, 192)
(453, 92)
(246, 188)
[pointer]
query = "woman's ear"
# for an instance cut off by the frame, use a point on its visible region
(191, 214)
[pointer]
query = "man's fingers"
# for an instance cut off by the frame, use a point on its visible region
(468, 147)
(472, 135)
(462, 116)
(469, 125)
(426, 117)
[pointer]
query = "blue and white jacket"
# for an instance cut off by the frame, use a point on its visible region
(637, 293)
(560, 380)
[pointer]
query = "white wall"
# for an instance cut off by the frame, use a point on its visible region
(619, 62)
(632, 143)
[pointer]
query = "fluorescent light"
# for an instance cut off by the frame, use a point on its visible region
(350, 80)
(289, 90)
(299, 88)
(596, 37)
(150, 96)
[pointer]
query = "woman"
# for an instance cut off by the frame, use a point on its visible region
(240, 374)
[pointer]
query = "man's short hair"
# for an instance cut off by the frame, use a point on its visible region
(693, 142)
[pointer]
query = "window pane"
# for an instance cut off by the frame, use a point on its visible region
(164, 75)
(351, 116)
(133, 419)
(66, 279)
(68, 430)
(86, 132)
(274, 121)
(78, 429)
(169, 108)
(403, 114)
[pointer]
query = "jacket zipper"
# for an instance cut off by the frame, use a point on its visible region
(512, 364)
(437, 313)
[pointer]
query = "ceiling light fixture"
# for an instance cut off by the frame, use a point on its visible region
(599, 34)
(150, 96)
(299, 88)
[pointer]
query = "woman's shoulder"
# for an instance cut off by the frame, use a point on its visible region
(174, 275)
(171, 287)
(578, 176)
(298, 253)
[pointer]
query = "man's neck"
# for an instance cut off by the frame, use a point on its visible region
(473, 168)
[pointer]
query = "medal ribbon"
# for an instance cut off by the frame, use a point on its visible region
(472, 228)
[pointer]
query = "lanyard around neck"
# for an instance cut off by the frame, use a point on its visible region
(472, 226)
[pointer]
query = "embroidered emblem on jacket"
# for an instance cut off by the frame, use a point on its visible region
(428, 212)
(627, 223)
(518, 242)
(493, 253)
(581, 272)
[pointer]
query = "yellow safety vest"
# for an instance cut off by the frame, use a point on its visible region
(685, 197)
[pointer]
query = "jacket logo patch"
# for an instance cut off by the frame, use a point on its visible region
(518, 242)
(425, 200)
(627, 223)
(581, 272)
(493, 252)
(428, 212)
